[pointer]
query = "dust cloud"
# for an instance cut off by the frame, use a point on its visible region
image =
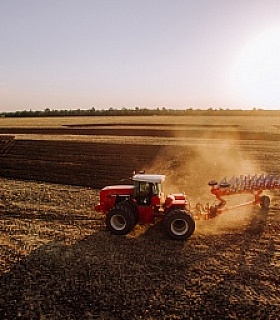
(201, 160)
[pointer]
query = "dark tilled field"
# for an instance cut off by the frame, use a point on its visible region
(59, 262)
(72, 162)
(190, 132)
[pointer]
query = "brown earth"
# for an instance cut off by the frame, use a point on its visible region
(59, 262)
(199, 132)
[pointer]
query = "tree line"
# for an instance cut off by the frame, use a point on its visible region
(139, 112)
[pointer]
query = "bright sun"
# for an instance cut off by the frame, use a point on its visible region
(256, 74)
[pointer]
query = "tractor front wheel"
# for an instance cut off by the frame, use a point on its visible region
(120, 220)
(179, 224)
(131, 207)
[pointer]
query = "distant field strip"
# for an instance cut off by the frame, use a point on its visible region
(226, 133)
(153, 125)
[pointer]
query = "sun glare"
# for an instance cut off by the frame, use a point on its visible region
(256, 72)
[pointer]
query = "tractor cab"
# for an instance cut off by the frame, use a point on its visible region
(148, 195)
(148, 189)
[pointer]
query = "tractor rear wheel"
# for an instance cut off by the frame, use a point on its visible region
(264, 202)
(120, 220)
(179, 224)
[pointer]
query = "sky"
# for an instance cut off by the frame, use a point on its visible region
(200, 54)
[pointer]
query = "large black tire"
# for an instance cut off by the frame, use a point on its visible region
(131, 206)
(179, 224)
(120, 220)
(264, 202)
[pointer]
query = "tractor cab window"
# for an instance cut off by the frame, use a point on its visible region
(143, 193)
(156, 189)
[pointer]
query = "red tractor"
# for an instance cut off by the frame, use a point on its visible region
(143, 203)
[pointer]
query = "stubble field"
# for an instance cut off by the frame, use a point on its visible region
(58, 261)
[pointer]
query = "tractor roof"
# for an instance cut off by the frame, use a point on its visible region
(119, 187)
(151, 178)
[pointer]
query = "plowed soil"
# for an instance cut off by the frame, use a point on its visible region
(58, 261)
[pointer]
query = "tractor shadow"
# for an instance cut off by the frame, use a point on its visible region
(123, 277)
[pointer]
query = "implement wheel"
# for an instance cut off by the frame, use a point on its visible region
(179, 224)
(264, 202)
(213, 183)
(120, 220)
